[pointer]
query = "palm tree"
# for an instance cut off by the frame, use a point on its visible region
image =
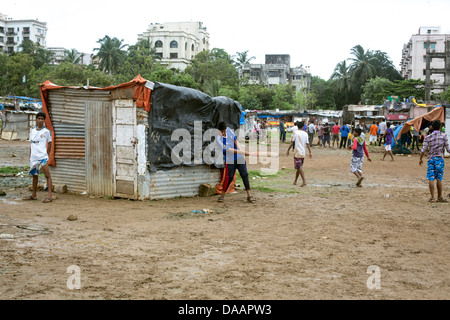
(111, 54)
(342, 77)
(241, 58)
(362, 67)
(72, 56)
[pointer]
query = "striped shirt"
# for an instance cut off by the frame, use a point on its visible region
(435, 144)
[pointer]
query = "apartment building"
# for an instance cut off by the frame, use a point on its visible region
(426, 56)
(177, 43)
(276, 70)
(14, 32)
(60, 54)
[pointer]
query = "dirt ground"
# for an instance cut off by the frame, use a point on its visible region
(321, 241)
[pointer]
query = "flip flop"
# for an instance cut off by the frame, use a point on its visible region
(47, 200)
(251, 199)
(441, 200)
(29, 198)
(221, 198)
(431, 200)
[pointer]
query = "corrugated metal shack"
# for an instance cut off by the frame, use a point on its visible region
(102, 144)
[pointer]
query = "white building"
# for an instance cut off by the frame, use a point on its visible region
(177, 43)
(14, 32)
(414, 57)
(60, 54)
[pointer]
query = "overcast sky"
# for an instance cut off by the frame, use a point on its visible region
(315, 33)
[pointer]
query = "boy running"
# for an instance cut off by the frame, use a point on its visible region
(388, 136)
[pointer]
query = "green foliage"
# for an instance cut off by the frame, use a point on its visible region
(445, 95)
(376, 90)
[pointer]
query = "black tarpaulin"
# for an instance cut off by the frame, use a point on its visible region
(174, 108)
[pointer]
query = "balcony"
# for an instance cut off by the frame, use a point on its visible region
(11, 33)
(26, 33)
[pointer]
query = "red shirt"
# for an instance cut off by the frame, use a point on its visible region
(336, 129)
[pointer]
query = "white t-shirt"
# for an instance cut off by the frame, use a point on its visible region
(300, 139)
(39, 140)
(311, 128)
(382, 127)
(294, 128)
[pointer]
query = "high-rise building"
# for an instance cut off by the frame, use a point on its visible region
(177, 43)
(427, 57)
(14, 32)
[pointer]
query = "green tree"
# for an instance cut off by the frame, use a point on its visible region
(41, 56)
(361, 68)
(407, 88)
(384, 67)
(72, 56)
(283, 98)
(343, 81)
(111, 54)
(242, 58)
(209, 66)
(376, 90)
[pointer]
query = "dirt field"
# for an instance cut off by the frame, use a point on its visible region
(315, 242)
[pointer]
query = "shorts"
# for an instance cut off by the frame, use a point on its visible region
(326, 138)
(435, 170)
(373, 139)
(387, 147)
(356, 164)
(335, 137)
(298, 163)
(36, 166)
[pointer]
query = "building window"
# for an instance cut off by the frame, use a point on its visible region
(432, 45)
(273, 74)
(254, 73)
(185, 46)
(159, 54)
(174, 44)
(158, 44)
(192, 48)
(424, 72)
(173, 55)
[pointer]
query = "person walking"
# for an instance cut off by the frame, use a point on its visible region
(435, 144)
(359, 148)
(299, 142)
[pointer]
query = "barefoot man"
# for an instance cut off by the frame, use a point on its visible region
(299, 142)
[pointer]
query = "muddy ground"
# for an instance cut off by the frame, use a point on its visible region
(321, 241)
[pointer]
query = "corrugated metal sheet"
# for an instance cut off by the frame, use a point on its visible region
(70, 172)
(99, 153)
(182, 181)
(69, 147)
(67, 105)
(67, 112)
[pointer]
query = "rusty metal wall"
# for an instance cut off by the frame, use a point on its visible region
(67, 109)
(99, 153)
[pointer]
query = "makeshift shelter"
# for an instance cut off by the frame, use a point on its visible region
(117, 141)
(424, 121)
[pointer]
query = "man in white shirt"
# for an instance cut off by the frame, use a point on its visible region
(299, 142)
(41, 144)
(311, 132)
(382, 127)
